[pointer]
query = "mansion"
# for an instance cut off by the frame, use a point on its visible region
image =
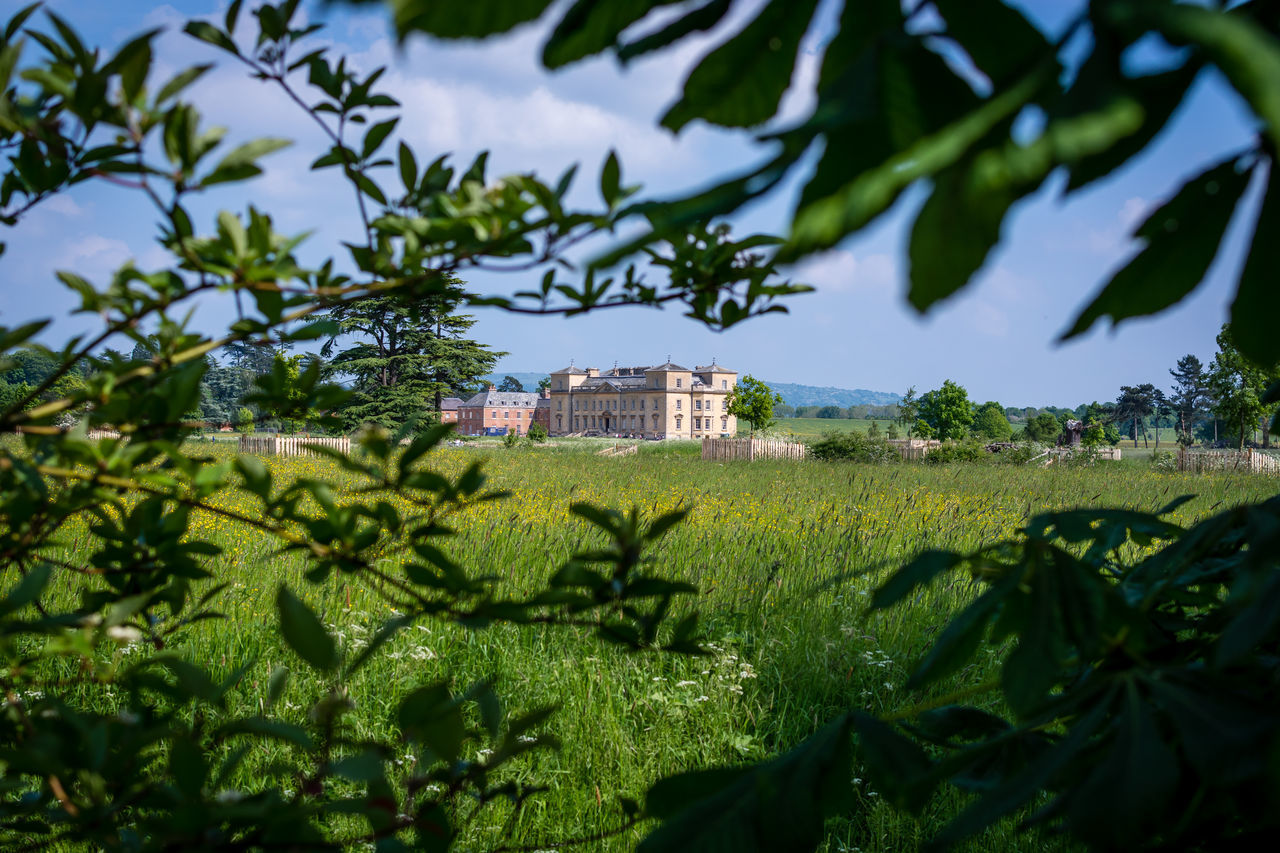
(667, 401)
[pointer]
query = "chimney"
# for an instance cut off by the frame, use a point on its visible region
(492, 387)
(546, 393)
(593, 371)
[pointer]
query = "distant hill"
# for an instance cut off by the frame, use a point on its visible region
(814, 395)
(792, 394)
(528, 380)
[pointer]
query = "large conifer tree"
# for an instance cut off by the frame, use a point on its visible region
(402, 356)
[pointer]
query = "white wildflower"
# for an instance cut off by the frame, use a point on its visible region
(124, 634)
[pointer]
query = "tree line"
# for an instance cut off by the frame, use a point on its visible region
(396, 359)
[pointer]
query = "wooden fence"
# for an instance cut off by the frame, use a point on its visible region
(619, 450)
(291, 445)
(1246, 461)
(914, 448)
(752, 448)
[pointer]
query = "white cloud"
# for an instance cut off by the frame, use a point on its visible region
(93, 255)
(841, 271)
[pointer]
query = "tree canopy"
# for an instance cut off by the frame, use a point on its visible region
(403, 355)
(947, 411)
(752, 401)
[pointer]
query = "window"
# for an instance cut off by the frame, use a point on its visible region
(724, 424)
(697, 423)
(724, 383)
(678, 381)
(642, 404)
(679, 404)
(678, 418)
(559, 405)
(697, 405)
(506, 416)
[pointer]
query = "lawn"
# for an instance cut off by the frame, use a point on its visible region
(785, 555)
(805, 428)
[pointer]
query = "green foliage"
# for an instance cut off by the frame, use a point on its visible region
(1043, 428)
(913, 118)
(537, 433)
(1238, 387)
(957, 451)
(947, 411)
(853, 446)
(1137, 694)
(990, 423)
(403, 353)
(244, 420)
(510, 439)
(752, 401)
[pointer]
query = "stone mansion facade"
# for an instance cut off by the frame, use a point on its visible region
(667, 401)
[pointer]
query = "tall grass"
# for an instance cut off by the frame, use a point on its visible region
(785, 554)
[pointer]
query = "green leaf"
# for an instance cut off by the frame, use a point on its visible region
(1159, 95)
(304, 632)
(669, 796)
(1246, 53)
(590, 26)
(921, 570)
(470, 20)
(741, 82)
(897, 767)
(1125, 800)
(241, 163)
(181, 81)
(962, 636)
(207, 32)
(960, 722)
(1017, 789)
(26, 590)
(276, 683)
(236, 235)
(778, 806)
(999, 40)
(433, 717)
(1182, 238)
(376, 136)
(610, 176)
(408, 168)
(1253, 324)
(836, 211)
(703, 18)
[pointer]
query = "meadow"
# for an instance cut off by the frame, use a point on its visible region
(809, 428)
(785, 555)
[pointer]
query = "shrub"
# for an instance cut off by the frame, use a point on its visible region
(959, 451)
(511, 439)
(852, 447)
(1020, 454)
(1163, 460)
(244, 420)
(537, 433)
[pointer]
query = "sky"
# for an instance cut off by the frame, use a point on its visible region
(997, 338)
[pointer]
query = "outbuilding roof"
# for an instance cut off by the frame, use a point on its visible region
(501, 399)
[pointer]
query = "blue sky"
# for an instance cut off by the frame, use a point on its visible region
(855, 331)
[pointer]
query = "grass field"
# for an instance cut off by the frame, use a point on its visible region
(814, 427)
(785, 555)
